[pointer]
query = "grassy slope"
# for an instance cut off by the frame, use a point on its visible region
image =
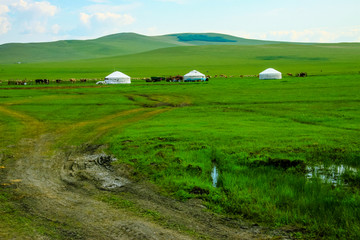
(320, 59)
(112, 45)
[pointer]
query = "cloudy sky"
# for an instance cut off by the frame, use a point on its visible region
(285, 20)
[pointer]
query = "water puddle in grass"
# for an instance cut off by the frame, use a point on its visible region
(331, 174)
(214, 176)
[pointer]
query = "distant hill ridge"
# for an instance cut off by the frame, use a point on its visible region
(112, 45)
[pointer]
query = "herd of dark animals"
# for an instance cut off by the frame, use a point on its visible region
(179, 78)
(44, 81)
(176, 78)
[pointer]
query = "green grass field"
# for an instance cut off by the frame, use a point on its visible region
(211, 60)
(173, 134)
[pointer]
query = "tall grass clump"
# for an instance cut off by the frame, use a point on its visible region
(282, 198)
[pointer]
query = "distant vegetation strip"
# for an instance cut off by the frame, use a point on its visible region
(202, 37)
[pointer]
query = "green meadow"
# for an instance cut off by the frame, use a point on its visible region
(167, 55)
(211, 60)
(173, 134)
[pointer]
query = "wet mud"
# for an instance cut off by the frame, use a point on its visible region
(62, 187)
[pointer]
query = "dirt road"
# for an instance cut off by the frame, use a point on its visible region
(64, 186)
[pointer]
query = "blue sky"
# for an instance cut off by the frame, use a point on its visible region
(284, 20)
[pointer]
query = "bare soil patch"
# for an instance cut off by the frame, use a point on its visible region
(63, 187)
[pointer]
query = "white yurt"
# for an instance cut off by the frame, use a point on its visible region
(194, 76)
(117, 78)
(270, 73)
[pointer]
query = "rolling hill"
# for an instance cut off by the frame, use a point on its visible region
(318, 59)
(112, 45)
(144, 56)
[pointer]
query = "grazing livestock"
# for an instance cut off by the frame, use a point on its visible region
(38, 81)
(249, 75)
(17, 82)
(302, 74)
(178, 78)
(157, 79)
(83, 80)
(58, 80)
(46, 81)
(72, 80)
(289, 74)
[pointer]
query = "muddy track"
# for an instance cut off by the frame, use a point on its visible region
(62, 186)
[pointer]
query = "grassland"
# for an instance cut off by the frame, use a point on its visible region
(326, 59)
(175, 133)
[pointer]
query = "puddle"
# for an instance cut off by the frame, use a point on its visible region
(214, 176)
(331, 174)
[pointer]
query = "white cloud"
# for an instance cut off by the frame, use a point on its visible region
(34, 27)
(4, 9)
(32, 16)
(85, 18)
(5, 25)
(122, 19)
(306, 35)
(42, 8)
(114, 19)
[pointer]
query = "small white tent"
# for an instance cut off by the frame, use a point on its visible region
(117, 78)
(194, 76)
(270, 73)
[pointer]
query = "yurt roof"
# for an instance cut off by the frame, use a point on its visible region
(270, 70)
(117, 74)
(194, 73)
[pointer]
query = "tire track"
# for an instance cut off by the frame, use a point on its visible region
(33, 126)
(37, 169)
